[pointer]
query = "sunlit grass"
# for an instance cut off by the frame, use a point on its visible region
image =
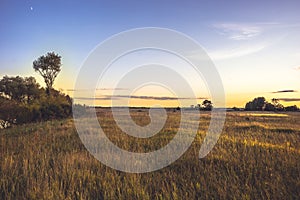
(256, 157)
(265, 114)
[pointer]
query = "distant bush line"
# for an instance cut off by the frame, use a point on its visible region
(260, 104)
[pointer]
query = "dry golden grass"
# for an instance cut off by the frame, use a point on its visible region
(255, 158)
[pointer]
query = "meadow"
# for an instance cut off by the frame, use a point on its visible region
(256, 157)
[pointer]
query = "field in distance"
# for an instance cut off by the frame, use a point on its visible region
(257, 157)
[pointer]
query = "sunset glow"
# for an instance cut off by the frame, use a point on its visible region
(254, 46)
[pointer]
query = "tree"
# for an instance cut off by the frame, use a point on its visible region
(48, 66)
(270, 107)
(258, 104)
(22, 90)
(207, 104)
(249, 106)
(275, 101)
(278, 106)
(12, 88)
(292, 108)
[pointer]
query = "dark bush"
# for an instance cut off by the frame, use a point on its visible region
(54, 107)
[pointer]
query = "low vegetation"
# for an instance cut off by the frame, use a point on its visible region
(23, 100)
(260, 104)
(256, 157)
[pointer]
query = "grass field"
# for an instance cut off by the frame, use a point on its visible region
(256, 157)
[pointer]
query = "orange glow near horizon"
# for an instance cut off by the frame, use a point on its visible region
(236, 99)
(232, 100)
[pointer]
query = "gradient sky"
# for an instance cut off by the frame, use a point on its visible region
(255, 45)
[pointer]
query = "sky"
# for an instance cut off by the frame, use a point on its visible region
(255, 45)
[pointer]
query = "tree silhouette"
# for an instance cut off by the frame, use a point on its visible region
(258, 104)
(19, 89)
(33, 90)
(292, 108)
(275, 101)
(13, 88)
(48, 66)
(270, 107)
(278, 106)
(207, 104)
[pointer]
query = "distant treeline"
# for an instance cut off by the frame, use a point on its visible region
(205, 105)
(260, 104)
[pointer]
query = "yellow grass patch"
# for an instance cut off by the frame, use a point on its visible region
(264, 114)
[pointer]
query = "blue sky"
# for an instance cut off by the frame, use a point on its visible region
(255, 45)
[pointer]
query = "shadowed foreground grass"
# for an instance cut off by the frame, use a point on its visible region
(256, 157)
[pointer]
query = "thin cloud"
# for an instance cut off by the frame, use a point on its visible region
(152, 97)
(90, 98)
(110, 97)
(297, 68)
(73, 90)
(247, 31)
(102, 89)
(285, 91)
(236, 52)
(112, 89)
(289, 99)
(235, 31)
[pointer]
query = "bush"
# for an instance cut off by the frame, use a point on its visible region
(54, 107)
(257, 104)
(292, 108)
